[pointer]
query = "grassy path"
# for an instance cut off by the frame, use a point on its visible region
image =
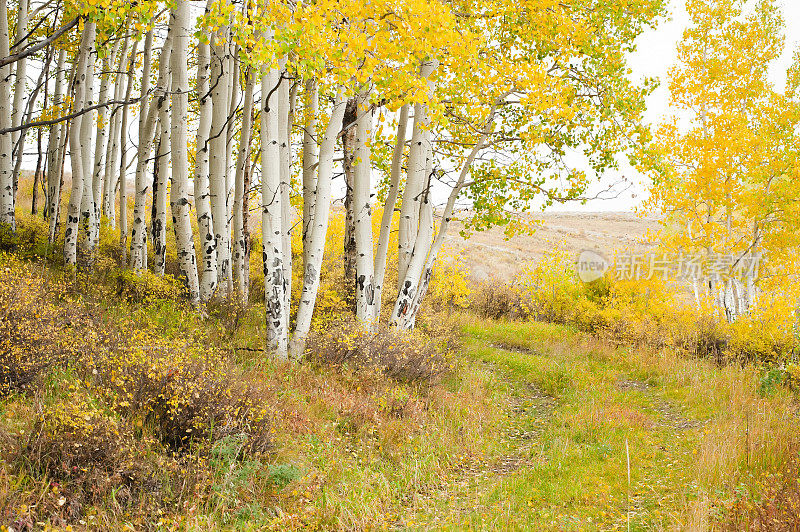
(577, 408)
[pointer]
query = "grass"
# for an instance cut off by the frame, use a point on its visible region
(530, 429)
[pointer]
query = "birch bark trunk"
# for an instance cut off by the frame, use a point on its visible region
(53, 149)
(123, 160)
(319, 229)
(158, 211)
(382, 250)
(75, 139)
(20, 84)
(112, 153)
(285, 111)
(101, 136)
(348, 156)
(233, 105)
(179, 194)
(310, 160)
(362, 212)
(271, 226)
(415, 181)
(87, 199)
(218, 162)
(148, 117)
(241, 251)
(417, 279)
(7, 198)
(205, 224)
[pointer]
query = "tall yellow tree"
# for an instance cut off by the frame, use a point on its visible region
(726, 163)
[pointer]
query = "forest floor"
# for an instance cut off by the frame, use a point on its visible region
(534, 427)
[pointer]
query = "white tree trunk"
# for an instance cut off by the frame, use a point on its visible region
(75, 139)
(218, 168)
(402, 316)
(158, 216)
(53, 150)
(382, 249)
(7, 217)
(123, 160)
(87, 126)
(310, 159)
(319, 230)
(415, 182)
(112, 152)
(233, 104)
(202, 201)
(271, 224)
(241, 251)
(416, 281)
(148, 118)
(362, 211)
(179, 197)
(20, 84)
(101, 136)
(285, 111)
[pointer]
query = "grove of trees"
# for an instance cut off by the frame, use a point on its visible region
(223, 106)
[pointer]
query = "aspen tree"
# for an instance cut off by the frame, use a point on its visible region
(348, 158)
(241, 251)
(362, 213)
(53, 198)
(285, 150)
(75, 140)
(319, 227)
(724, 173)
(179, 192)
(101, 136)
(217, 150)
(202, 200)
(310, 159)
(149, 115)
(271, 219)
(7, 199)
(20, 84)
(115, 135)
(233, 105)
(158, 211)
(415, 181)
(123, 159)
(382, 249)
(87, 198)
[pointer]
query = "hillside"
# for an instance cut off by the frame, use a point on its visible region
(490, 255)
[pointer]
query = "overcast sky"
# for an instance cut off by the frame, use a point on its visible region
(655, 55)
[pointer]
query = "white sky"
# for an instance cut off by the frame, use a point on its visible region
(653, 58)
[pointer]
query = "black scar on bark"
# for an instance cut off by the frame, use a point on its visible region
(360, 282)
(370, 293)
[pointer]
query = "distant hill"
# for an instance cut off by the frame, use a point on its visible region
(489, 255)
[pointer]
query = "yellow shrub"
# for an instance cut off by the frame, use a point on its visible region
(449, 286)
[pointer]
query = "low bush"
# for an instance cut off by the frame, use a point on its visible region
(30, 238)
(499, 300)
(144, 286)
(400, 355)
(74, 442)
(183, 398)
(34, 334)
